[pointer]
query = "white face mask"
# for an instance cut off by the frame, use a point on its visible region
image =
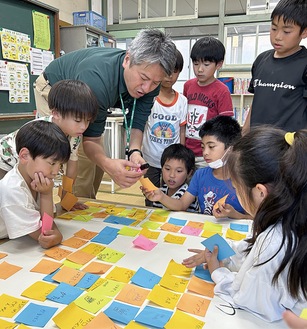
(219, 162)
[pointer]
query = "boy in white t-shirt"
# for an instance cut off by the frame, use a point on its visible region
(26, 191)
(165, 125)
(73, 106)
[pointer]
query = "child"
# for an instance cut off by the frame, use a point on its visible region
(73, 107)
(293, 321)
(178, 165)
(268, 273)
(27, 190)
(165, 125)
(207, 96)
(281, 73)
(210, 184)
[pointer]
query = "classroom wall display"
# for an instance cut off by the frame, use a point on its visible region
(17, 39)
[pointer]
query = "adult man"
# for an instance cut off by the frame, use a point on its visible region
(118, 79)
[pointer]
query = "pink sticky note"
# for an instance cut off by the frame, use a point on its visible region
(142, 242)
(189, 230)
(47, 222)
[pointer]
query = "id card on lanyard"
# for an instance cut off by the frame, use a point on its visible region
(127, 129)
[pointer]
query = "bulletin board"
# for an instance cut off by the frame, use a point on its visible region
(16, 15)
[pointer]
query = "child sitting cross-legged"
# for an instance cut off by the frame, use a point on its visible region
(211, 183)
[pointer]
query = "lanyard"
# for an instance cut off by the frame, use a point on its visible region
(128, 129)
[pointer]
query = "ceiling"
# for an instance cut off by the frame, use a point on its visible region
(157, 8)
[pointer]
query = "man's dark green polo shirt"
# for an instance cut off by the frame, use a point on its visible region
(101, 69)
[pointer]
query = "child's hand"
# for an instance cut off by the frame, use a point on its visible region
(211, 259)
(42, 184)
(223, 211)
(197, 259)
(293, 321)
(155, 195)
(50, 238)
(79, 206)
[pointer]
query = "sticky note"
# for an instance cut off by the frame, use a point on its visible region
(220, 201)
(225, 251)
(68, 201)
(67, 183)
(146, 182)
(47, 222)
(239, 227)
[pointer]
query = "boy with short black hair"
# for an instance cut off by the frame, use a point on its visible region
(207, 96)
(26, 191)
(209, 185)
(165, 124)
(178, 166)
(279, 76)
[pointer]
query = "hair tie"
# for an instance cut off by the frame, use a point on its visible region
(289, 137)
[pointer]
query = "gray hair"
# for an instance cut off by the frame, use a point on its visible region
(153, 46)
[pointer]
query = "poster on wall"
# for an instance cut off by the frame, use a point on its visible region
(19, 83)
(4, 77)
(41, 30)
(15, 45)
(40, 59)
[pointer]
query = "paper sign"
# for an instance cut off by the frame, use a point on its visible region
(146, 183)
(225, 251)
(47, 222)
(220, 202)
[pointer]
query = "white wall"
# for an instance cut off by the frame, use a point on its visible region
(67, 7)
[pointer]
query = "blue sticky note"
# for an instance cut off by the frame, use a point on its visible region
(176, 221)
(145, 279)
(64, 293)
(120, 312)
(119, 220)
(203, 274)
(239, 227)
(106, 236)
(155, 317)
(36, 315)
(87, 280)
(225, 251)
(48, 278)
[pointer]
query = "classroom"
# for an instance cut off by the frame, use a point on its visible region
(153, 164)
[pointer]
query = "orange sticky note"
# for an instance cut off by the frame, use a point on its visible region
(57, 253)
(74, 242)
(7, 270)
(97, 268)
(132, 294)
(68, 275)
(84, 234)
(201, 287)
(46, 266)
(67, 183)
(68, 201)
(80, 257)
(193, 304)
(146, 182)
(101, 321)
(220, 202)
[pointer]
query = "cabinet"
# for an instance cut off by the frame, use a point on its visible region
(84, 36)
(241, 103)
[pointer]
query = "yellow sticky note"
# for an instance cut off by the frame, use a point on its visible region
(69, 201)
(173, 283)
(209, 226)
(71, 264)
(109, 288)
(170, 238)
(207, 234)
(128, 231)
(133, 325)
(147, 183)
(304, 314)
(67, 183)
(110, 255)
(92, 301)
(163, 297)
(149, 234)
(71, 317)
(39, 290)
(13, 305)
(9, 325)
(174, 268)
(233, 235)
(93, 248)
(221, 201)
(183, 320)
(121, 274)
(152, 225)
